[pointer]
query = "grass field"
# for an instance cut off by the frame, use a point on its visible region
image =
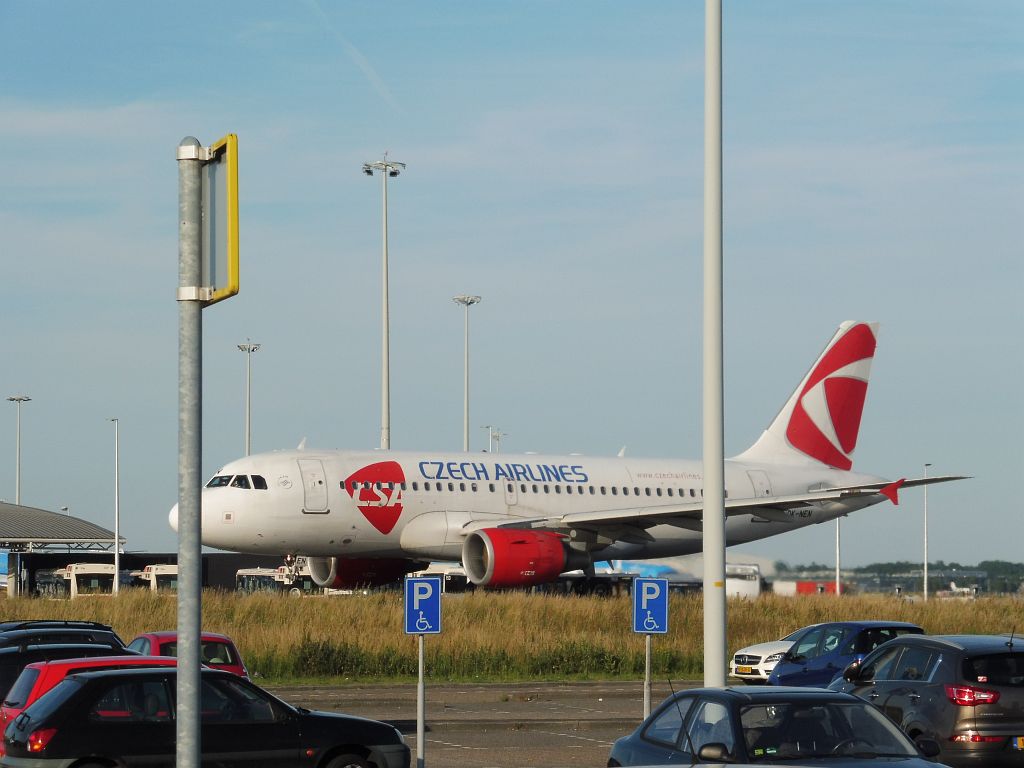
(500, 636)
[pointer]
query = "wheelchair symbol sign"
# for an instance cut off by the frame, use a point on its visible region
(650, 606)
(423, 605)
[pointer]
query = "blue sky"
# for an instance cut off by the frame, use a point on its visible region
(873, 171)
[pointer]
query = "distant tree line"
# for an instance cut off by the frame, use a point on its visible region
(1003, 576)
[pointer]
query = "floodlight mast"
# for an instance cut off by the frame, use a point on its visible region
(387, 168)
(467, 302)
(248, 348)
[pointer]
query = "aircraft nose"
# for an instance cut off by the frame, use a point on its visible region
(172, 517)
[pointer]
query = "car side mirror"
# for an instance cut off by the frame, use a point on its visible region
(928, 747)
(713, 752)
(852, 672)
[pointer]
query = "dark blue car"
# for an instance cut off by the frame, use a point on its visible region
(822, 651)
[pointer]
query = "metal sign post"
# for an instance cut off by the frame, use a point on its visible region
(650, 616)
(422, 617)
(199, 285)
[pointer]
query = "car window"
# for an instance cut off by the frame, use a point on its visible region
(22, 687)
(710, 724)
(995, 669)
(915, 664)
(223, 700)
(831, 639)
(132, 701)
(880, 667)
(807, 644)
(217, 653)
(139, 644)
(665, 727)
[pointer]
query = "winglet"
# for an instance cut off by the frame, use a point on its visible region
(891, 491)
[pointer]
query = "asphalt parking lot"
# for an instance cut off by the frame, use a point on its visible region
(495, 725)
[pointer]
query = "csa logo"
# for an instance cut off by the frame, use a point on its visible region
(826, 419)
(376, 490)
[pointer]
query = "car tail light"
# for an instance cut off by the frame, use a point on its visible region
(968, 695)
(38, 740)
(971, 737)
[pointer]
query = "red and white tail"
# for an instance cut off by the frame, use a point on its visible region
(820, 421)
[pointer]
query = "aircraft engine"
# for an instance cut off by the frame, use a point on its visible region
(345, 573)
(508, 557)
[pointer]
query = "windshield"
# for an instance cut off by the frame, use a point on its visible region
(788, 730)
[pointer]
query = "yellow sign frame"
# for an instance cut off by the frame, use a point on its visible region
(226, 150)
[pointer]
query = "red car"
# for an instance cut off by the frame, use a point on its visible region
(218, 651)
(40, 676)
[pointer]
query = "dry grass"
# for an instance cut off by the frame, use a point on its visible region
(499, 636)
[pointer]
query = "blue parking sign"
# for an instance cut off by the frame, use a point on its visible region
(423, 605)
(650, 606)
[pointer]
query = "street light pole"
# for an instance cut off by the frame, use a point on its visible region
(117, 506)
(387, 169)
(925, 592)
(467, 302)
(248, 348)
(18, 400)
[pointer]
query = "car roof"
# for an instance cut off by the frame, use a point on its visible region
(142, 671)
(103, 661)
(7, 626)
(874, 624)
(172, 634)
(11, 650)
(968, 643)
(774, 693)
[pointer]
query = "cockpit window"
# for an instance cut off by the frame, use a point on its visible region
(240, 481)
(219, 481)
(259, 483)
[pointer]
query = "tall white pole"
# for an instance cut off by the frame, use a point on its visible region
(385, 352)
(386, 168)
(18, 400)
(117, 507)
(467, 302)
(248, 348)
(714, 418)
(926, 533)
(838, 590)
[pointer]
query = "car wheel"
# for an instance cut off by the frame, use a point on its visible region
(347, 761)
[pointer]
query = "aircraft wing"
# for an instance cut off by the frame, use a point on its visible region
(689, 514)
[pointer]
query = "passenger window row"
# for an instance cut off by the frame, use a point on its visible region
(527, 488)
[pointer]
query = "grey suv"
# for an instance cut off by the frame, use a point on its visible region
(964, 691)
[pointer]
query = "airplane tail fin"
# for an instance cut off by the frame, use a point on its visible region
(820, 421)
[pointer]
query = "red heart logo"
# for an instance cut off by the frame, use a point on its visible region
(377, 491)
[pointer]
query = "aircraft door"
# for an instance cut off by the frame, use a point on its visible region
(511, 494)
(759, 479)
(314, 484)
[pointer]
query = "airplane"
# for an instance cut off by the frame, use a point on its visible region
(366, 518)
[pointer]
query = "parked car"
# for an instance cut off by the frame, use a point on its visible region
(218, 651)
(754, 663)
(40, 676)
(39, 632)
(964, 691)
(821, 652)
(126, 717)
(769, 726)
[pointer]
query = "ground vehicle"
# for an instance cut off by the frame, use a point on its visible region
(43, 632)
(742, 579)
(773, 726)
(296, 581)
(89, 579)
(822, 651)
(162, 576)
(964, 691)
(218, 651)
(754, 663)
(40, 676)
(126, 717)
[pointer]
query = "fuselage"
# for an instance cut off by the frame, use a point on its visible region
(378, 504)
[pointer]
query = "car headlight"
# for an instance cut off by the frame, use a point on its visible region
(775, 658)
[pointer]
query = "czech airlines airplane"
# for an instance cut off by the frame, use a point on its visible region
(366, 518)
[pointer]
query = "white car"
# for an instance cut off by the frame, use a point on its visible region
(754, 663)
